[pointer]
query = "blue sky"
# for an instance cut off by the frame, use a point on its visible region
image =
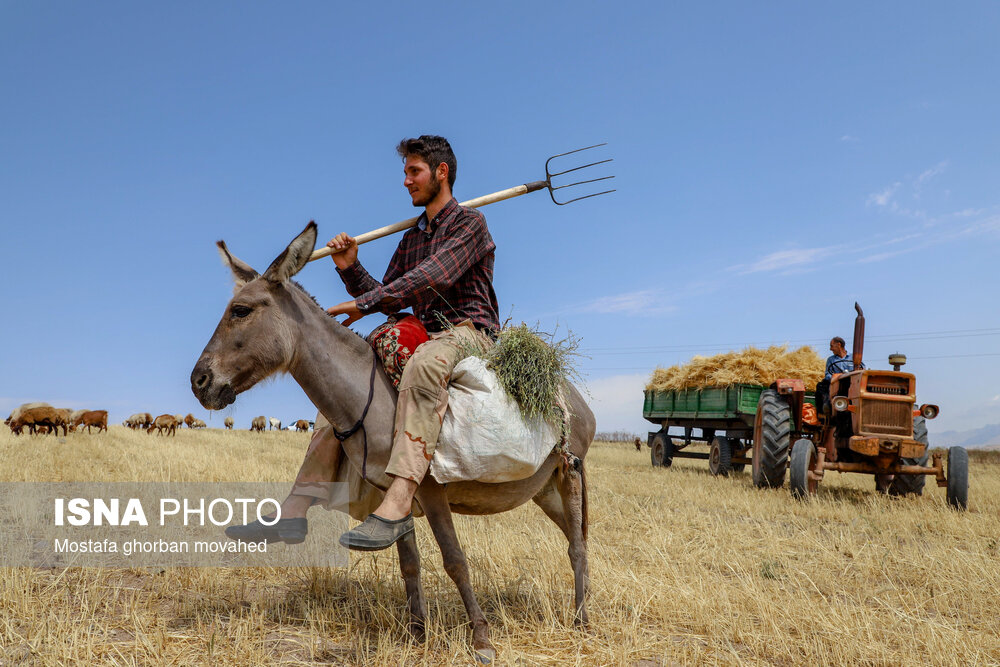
(774, 163)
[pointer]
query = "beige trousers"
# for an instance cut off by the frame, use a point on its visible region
(420, 410)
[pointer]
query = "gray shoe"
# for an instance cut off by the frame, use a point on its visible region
(289, 531)
(376, 533)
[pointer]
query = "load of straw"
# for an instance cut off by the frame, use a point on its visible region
(751, 366)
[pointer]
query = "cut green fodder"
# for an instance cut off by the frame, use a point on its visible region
(532, 368)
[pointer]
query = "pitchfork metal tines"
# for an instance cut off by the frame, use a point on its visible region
(549, 175)
(509, 193)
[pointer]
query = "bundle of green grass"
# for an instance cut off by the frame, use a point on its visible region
(532, 368)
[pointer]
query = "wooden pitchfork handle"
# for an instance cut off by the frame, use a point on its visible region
(509, 193)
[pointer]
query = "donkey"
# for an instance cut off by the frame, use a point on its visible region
(272, 325)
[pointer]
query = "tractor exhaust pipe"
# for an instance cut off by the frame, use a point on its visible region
(859, 337)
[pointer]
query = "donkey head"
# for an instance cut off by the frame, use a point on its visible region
(256, 336)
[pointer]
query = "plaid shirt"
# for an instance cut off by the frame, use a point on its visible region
(445, 265)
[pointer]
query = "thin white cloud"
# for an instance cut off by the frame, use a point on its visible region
(884, 197)
(643, 302)
(850, 139)
(927, 175)
(786, 260)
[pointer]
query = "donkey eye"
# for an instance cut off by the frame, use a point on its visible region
(240, 311)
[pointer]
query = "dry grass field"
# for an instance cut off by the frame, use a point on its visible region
(685, 569)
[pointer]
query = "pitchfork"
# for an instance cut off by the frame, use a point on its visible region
(509, 193)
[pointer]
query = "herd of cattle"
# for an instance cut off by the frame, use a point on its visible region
(41, 418)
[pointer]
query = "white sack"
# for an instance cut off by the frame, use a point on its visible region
(484, 436)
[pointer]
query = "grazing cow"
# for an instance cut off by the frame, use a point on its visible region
(188, 419)
(302, 425)
(179, 418)
(258, 423)
(229, 423)
(163, 423)
(275, 423)
(197, 423)
(98, 418)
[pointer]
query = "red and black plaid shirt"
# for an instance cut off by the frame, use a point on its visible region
(447, 267)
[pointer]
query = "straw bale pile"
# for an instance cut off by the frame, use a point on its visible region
(750, 366)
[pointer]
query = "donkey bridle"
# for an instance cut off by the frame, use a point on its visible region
(360, 424)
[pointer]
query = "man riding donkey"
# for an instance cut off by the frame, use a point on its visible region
(443, 269)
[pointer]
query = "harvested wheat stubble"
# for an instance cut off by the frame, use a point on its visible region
(750, 366)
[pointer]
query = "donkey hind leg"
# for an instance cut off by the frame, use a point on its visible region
(433, 498)
(564, 500)
(409, 566)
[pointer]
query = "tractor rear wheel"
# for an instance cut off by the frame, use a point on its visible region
(661, 450)
(772, 436)
(958, 478)
(720, 455)
(803, 460)
(904, 485)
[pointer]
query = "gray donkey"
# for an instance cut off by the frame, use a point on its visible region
(272, 325)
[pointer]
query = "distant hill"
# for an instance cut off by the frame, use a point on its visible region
(986, 436)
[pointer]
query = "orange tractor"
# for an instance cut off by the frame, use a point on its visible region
(865, 421)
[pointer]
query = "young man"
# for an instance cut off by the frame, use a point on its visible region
(442, 268)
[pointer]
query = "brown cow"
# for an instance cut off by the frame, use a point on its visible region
(188, 419)
(163, 423)
(229, 423)
(302, 425)
(258, 424)
(98, 418)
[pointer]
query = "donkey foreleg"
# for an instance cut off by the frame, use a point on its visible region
(409, 566)
(434, 500)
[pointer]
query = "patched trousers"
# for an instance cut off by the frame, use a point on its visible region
(420, 410)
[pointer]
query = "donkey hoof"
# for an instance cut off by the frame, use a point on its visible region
(485, 656)
(417, 633)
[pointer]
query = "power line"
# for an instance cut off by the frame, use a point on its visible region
(929, 335)
(943, 356)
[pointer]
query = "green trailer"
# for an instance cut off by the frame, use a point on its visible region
(722, 417)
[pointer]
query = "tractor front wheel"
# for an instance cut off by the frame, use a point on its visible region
(958, 478)
(904, 485)
(803, 460)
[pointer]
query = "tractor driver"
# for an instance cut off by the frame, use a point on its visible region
(838, 362)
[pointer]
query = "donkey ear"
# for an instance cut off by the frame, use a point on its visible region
(242, 272)
(294, 257)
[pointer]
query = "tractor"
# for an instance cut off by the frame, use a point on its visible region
(865, 421)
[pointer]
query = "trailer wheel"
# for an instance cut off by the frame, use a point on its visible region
(803, 460)
(720, 456)
(661, 450)
(737, 446)
(771, 440)
(904, 485)
(958, 478)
